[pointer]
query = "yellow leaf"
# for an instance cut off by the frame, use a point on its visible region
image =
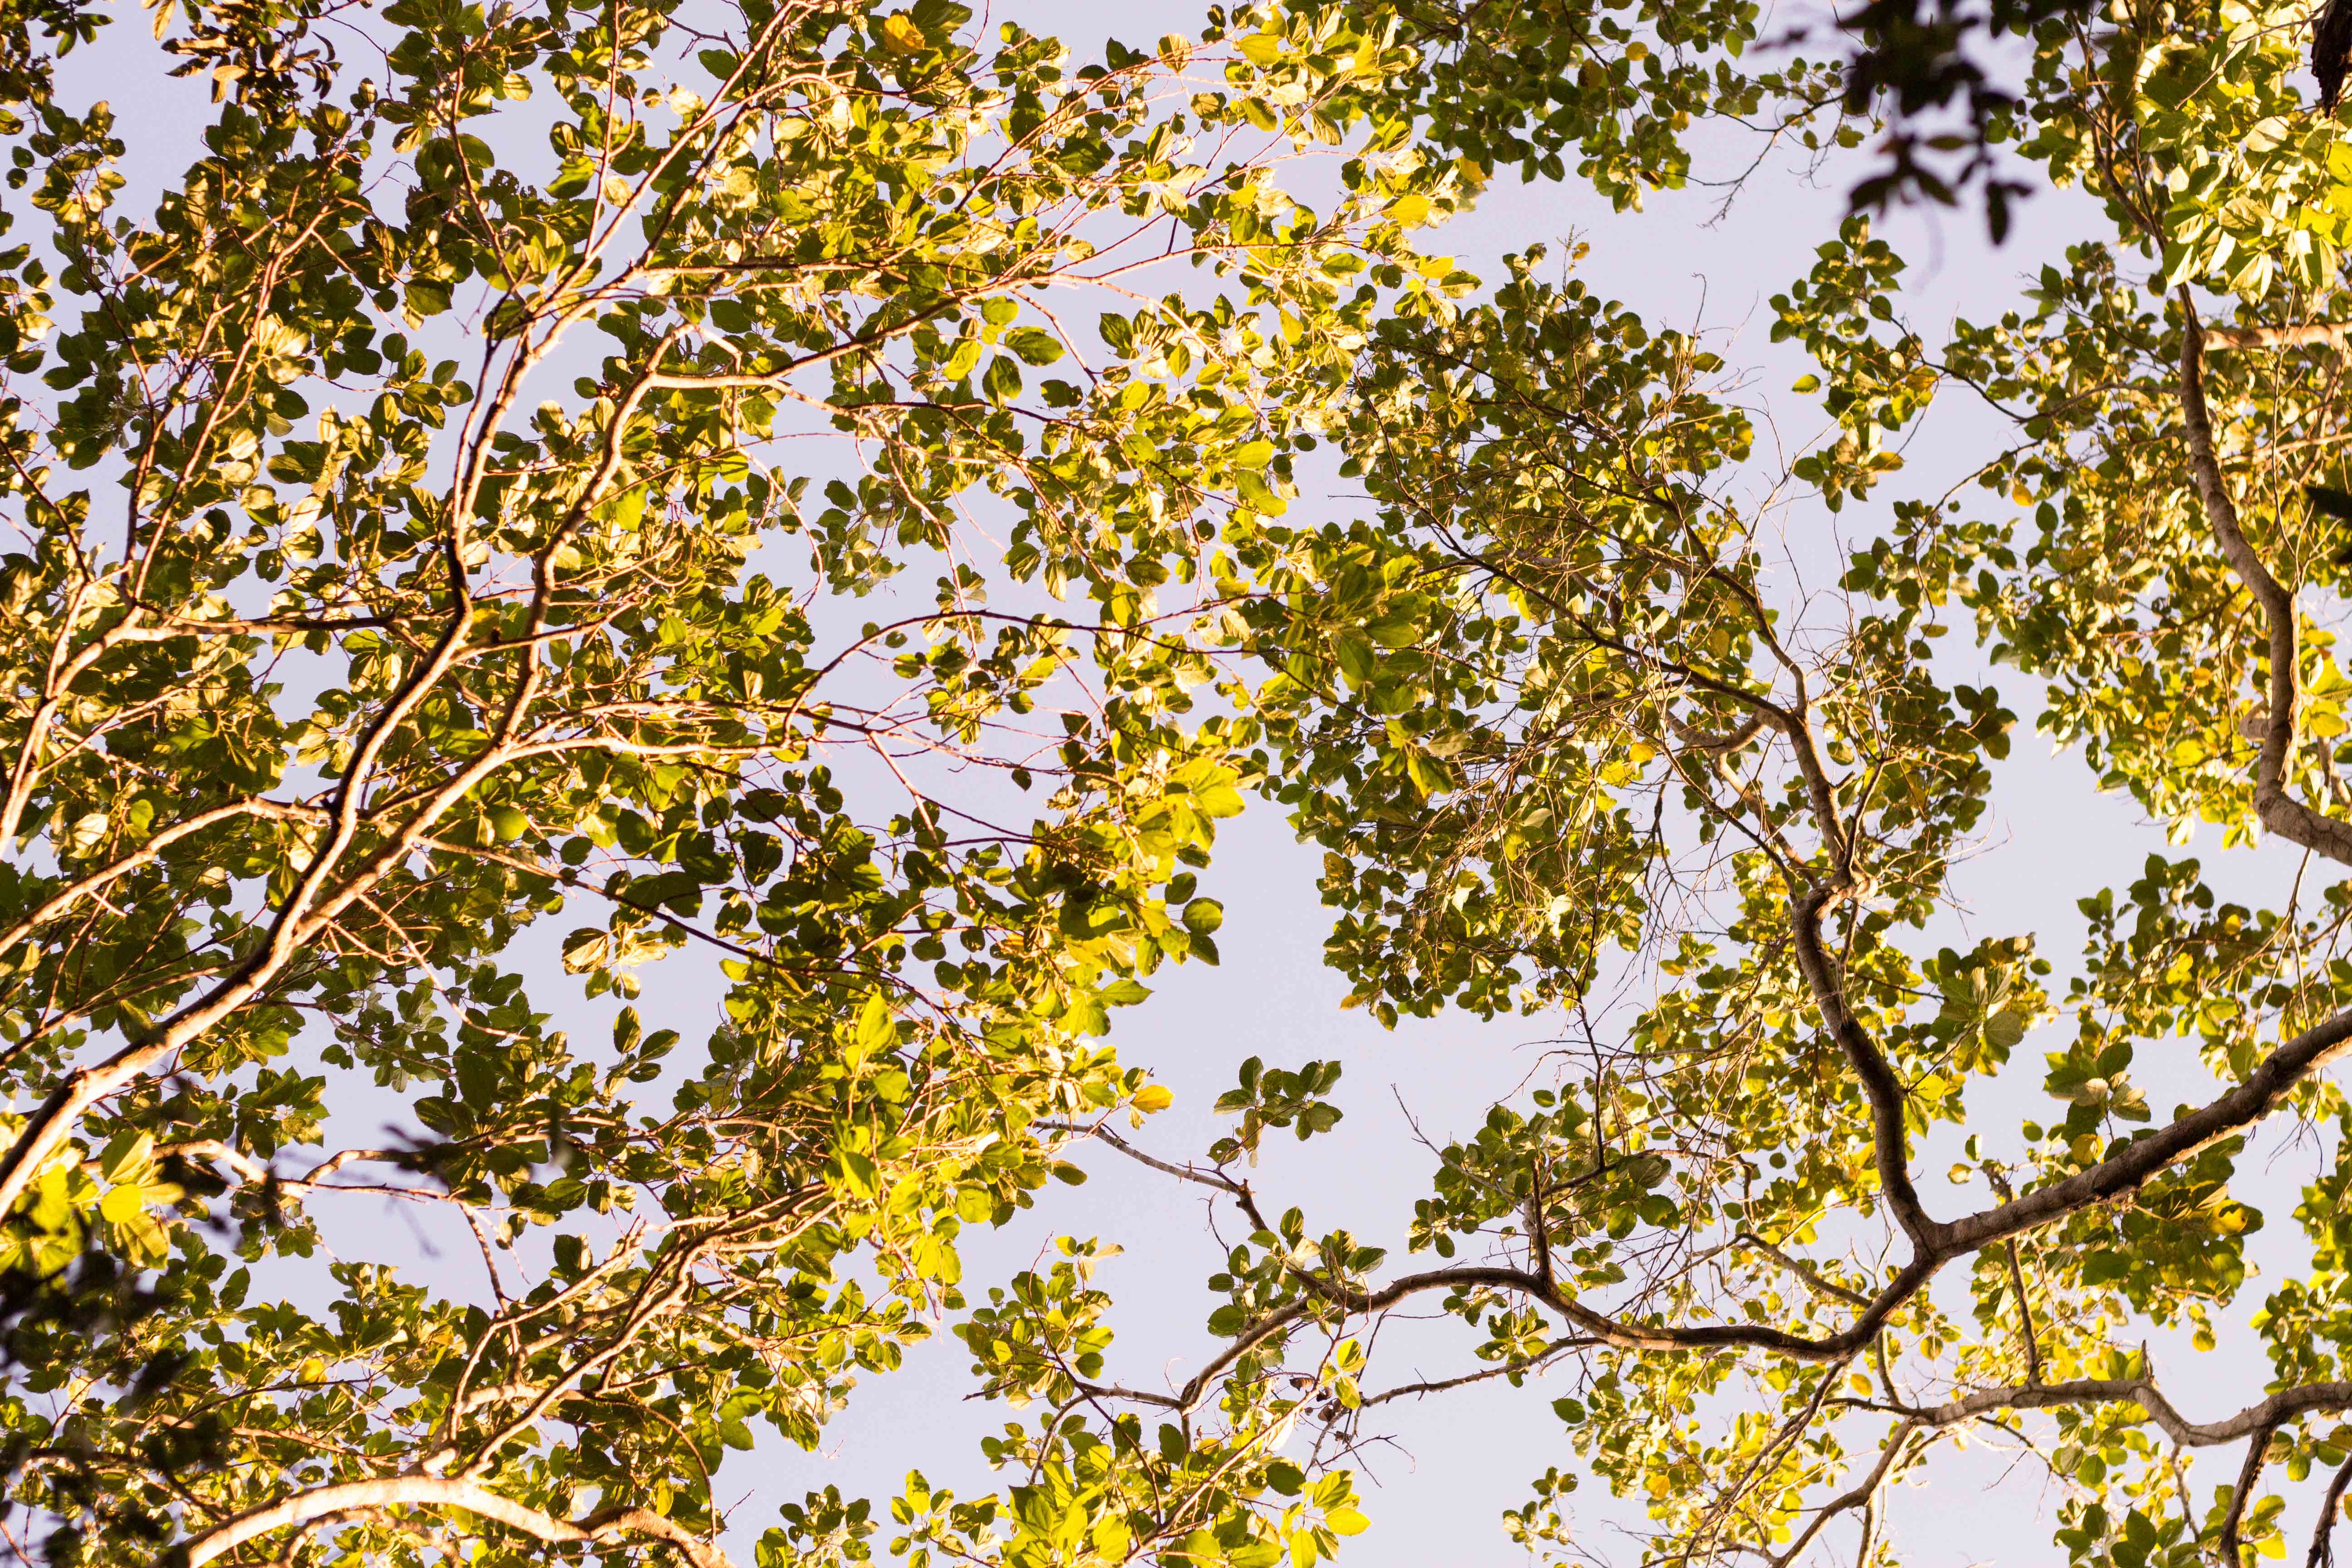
(127, 1157)
(1154, 1097)
(901, 36)
(877, 1031)
(89, 832)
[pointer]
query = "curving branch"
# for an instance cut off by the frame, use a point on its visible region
(1891, 1149)
(2262, 1418)
(2323, 1532)
(2025, 1330)
(1799, 1268)
(2138, 1162)
(2280, 812)
(2150, 1154)
(2250, 1472)
(327, 1502)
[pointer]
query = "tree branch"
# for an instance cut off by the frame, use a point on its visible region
(2248, 1473)
(1860, 1497)
(1890, 1140)
(449, 1491)
(2323, 1531)
(2263, 1417)
(2302, 334)
(2280, 812)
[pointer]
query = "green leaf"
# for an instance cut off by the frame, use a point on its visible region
(1034, 345)
(1002, 383)
(1258, 494)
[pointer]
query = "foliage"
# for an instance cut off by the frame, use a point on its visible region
(423, 538)
(1559, 735)
(1916, 61)
(419, 543)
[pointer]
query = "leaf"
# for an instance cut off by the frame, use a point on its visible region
(87, 832)
(1002, 383)
(1258, 494)
(901, 35)
(587, 950)
(1153, 1096)
(1203, 917)
(128, 1156)
(877, 1031)
(1033, 344)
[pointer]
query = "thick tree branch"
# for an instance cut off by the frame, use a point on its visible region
(1890, 1140)
(2263, 1416)
(2150, 1154)
(2280, 812)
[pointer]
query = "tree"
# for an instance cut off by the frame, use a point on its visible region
(1557, 731)
(419, 542)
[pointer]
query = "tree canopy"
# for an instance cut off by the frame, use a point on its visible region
(469, 547)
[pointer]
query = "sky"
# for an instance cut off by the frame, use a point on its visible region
(1459, 1459)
